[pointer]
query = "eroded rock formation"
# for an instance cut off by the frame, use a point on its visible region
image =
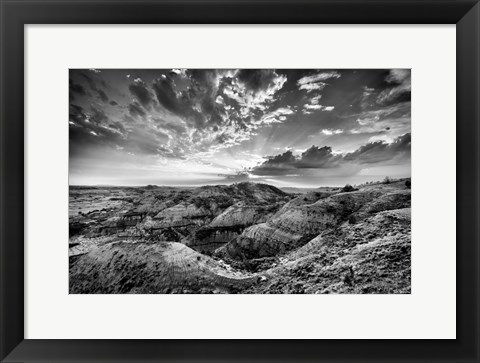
(243, 237)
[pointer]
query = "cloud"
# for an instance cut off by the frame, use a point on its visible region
(276, 116)
(179, 72)
(287, 163)
(318, 86)
(380, 151)
(191, 108)
(309, 108)
(316, 157)
(400, 89)
(259, 81)
(329, 132)
(166, 95)
(392, 121)
(276, 165)
(321, 158)
(315, 100)
(140, 91)
(313, 105)
(93, 86)
(96, 129)
(146, 140)
(102, 95)
(98, 115)
(178, 103)
(220, 108)
(136, 109)
(195, 114)
(316, 82)
(76, 88)
(253, 89)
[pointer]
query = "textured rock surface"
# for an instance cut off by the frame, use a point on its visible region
(306, 216)
(164, 267)
(229, 224)
(244, 215)
(372, 256)
(244, 237)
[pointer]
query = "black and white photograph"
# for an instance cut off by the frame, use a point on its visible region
(239, 181)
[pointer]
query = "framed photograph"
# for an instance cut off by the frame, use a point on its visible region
(240, 181)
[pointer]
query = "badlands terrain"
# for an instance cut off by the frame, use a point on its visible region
(241, 238)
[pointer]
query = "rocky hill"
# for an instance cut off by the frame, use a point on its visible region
(241, 238)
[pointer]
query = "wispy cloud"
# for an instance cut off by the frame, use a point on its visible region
(315, 82)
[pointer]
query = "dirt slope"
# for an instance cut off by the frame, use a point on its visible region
(146, 267)
(242, 238)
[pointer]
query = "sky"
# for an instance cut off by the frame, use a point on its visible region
(285, 127)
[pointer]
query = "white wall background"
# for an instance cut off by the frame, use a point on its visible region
(429, 312)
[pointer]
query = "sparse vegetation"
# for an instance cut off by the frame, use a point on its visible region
(348, 188)
(240, 239)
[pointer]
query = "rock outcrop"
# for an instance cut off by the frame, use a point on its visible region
(229, 224)
(164, 267)
(370, 257)
(245, 237)
(297, 223)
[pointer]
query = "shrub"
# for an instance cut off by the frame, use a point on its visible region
(408, 184)
(387, 180)
(348, 188)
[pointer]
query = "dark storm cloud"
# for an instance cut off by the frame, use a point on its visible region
(76, 88)
(191, 104)
(276, 165)
(165, 92)
(139, 89)
(283, 164)
(316, 157)
(136, 109)
(322, 157)
(257, 79)
(102, 95)
(93, 86)
(205, 92)
(380, 151)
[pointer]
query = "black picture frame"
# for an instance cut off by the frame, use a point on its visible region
(15, 14)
